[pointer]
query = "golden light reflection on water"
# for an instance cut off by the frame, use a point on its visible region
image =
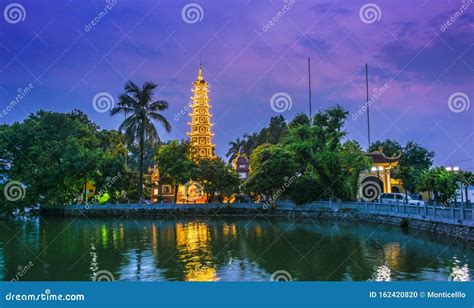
(392, 254)
(229, 230)
(194, 252)
(104, 236)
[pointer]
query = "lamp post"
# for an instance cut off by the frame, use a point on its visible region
(377, 169)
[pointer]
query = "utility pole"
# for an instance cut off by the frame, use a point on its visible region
(309, 87)
(367, 103)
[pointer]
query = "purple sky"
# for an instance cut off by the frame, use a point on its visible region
(407, 47)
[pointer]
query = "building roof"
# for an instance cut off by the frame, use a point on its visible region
(379, 157)
(242, 164)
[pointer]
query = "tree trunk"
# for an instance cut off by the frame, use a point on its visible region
(355, 186)
(467, 195)
(85, 192)
(176, 187)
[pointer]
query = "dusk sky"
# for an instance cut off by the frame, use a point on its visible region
(421, 67)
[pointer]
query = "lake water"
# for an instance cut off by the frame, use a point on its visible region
(225, 250)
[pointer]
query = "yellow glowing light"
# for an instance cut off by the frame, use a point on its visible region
(194, 250)
(201, 135)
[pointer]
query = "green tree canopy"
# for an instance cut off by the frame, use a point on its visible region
(175, 164)
(216, 176)
(414, 161)
(140, 110)
(389, 147)
(272, 166)
(54, 154)
(441, 183)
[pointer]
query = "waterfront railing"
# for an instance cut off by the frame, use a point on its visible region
(452, 215)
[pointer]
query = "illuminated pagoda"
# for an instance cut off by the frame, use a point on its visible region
(200, 136)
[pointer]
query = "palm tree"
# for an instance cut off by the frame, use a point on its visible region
(250, 142)
(139, 108)
(235, 149)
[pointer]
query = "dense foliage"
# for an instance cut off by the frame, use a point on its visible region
(306, 160)
(415, 161)
(177, 168)
(53, 155)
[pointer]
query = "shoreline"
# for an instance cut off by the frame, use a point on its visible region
(439, 226)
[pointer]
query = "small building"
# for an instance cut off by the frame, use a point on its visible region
(379, 178)
(242, 167)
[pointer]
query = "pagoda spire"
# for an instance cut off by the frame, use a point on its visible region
(200, 137)
(200, 73)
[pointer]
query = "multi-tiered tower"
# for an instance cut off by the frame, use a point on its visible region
(200, 135)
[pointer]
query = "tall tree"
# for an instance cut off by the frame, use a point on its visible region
(236, 148)
(299, 119)
(329, 125)
(414, 161)
(54, 154)
(216, 176)
(175, 164)
(467, 179)
(389, 147)
(276, 130)
(272, 168)
(140, 109)
(441, 183)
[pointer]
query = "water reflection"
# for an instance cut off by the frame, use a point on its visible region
(227, 250)
(382, 273)
(458, 272)
(194, 253)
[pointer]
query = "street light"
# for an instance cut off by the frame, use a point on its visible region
(453, 169)
(377, 169)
